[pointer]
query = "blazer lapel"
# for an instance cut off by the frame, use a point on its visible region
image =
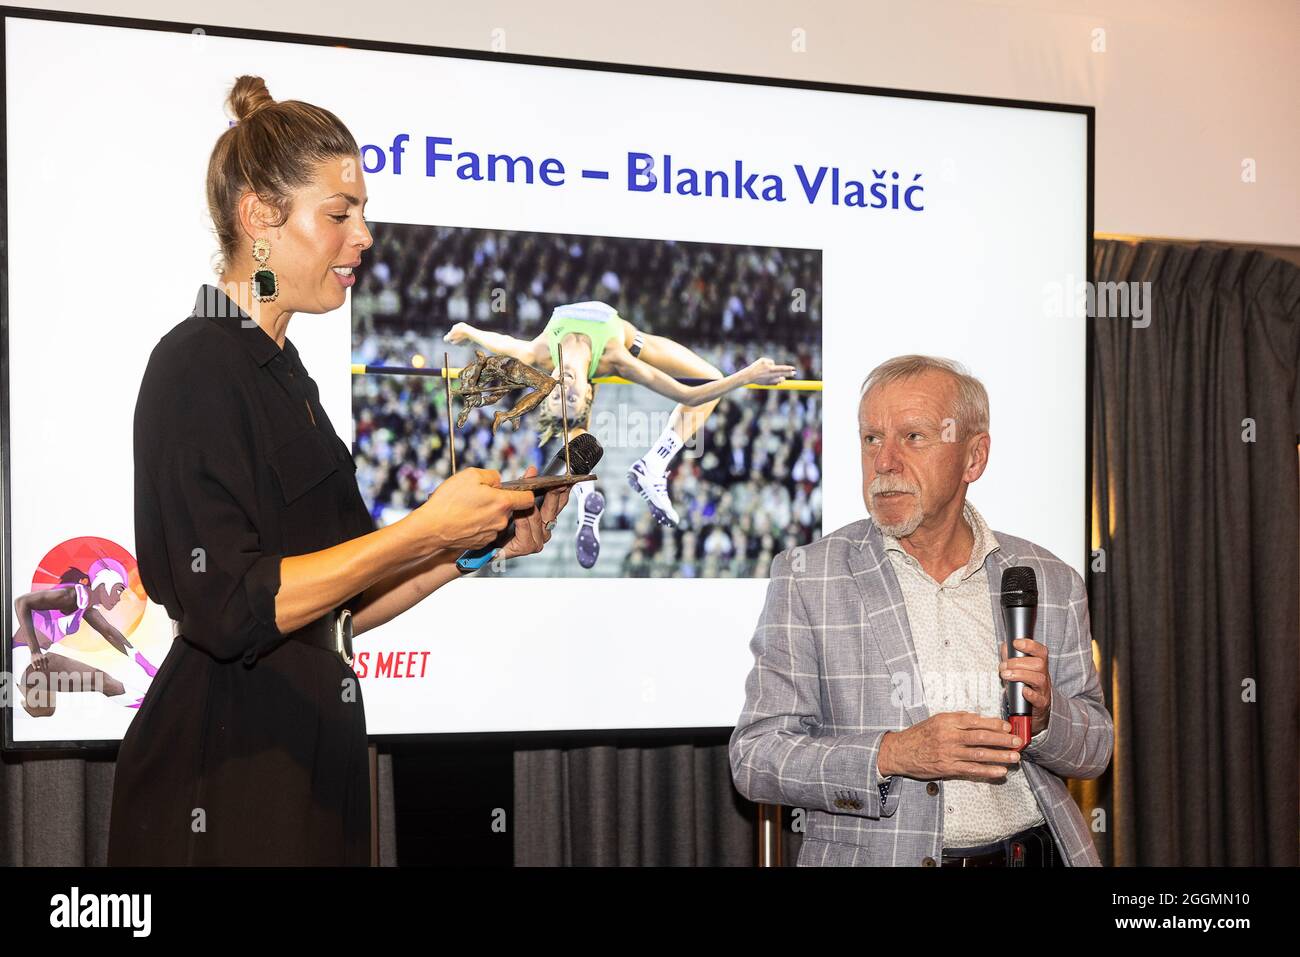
(999, 561)
(886, 616)
(886, 612)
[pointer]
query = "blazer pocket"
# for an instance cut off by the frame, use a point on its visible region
(819, 834)
(815, 852)
(302, 463)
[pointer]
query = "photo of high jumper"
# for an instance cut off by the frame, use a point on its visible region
(696, 365)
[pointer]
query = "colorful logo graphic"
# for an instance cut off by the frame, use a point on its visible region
(74, 628)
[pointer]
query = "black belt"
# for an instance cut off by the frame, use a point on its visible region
(332, 632)
(1029, 848)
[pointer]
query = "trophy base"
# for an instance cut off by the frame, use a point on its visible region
(544, 483)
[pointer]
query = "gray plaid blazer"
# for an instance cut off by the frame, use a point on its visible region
(832, 650)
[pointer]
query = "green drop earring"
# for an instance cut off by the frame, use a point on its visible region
(266, 286)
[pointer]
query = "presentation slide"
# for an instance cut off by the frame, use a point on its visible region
(713, 222)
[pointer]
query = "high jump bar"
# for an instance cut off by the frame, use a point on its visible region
(798, 385)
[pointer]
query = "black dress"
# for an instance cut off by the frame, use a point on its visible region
(250, 748)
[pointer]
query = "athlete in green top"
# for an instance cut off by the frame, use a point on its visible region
(598, 342)
(595, 320)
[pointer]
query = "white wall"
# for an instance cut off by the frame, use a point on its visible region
(1185, 89)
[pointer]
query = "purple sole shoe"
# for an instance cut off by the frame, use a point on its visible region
(589, 529)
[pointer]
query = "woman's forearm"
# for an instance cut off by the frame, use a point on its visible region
(313, 584)
(26, 630)
(642, 373)
(498, 342)
(404, 588)
(707, 392)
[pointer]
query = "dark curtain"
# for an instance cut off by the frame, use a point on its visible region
(1194, 445)
(611, 805)
(54, 810)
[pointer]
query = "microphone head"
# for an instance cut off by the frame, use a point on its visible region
(585, 453)
(1019, 588)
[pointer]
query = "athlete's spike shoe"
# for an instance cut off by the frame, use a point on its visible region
(655, 493)
(593, 506)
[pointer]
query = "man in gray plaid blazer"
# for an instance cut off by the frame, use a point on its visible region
(840, 717)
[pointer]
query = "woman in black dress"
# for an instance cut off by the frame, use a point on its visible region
(250, 747)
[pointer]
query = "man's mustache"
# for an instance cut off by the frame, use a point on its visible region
(883, 483)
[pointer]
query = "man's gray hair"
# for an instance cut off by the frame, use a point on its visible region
(971, 410)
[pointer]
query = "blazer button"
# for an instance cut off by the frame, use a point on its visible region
(928, 862)
(932, 788)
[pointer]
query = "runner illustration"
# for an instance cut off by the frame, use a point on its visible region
(49, 615)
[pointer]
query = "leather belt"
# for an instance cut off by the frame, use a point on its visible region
(1032, 847)
(331, 632)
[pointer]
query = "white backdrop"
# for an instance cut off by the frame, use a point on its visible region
(109, 133)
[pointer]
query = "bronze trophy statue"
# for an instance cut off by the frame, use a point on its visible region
(489, 379)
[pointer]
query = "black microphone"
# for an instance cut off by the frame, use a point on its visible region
(585, 453)
(1019, 609)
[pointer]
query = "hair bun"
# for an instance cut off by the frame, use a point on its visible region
(247, 96)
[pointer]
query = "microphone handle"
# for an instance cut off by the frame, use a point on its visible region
(472, 561)
(1020, 624)
(475, 558)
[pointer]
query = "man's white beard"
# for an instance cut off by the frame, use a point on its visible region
(904, 528)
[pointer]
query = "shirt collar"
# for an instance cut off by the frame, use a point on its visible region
(213, 303)
(985, 541)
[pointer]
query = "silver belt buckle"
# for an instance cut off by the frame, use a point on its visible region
(343, 635)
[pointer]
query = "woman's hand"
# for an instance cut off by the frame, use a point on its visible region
(531, 533)
(468, 510)
(764, 371)
(460, 332)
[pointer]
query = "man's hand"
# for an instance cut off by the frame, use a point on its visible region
(952, 744)
(1033, 672)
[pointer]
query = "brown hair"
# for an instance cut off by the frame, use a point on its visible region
(272, 150)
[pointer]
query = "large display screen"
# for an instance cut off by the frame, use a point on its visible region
(723, 220)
